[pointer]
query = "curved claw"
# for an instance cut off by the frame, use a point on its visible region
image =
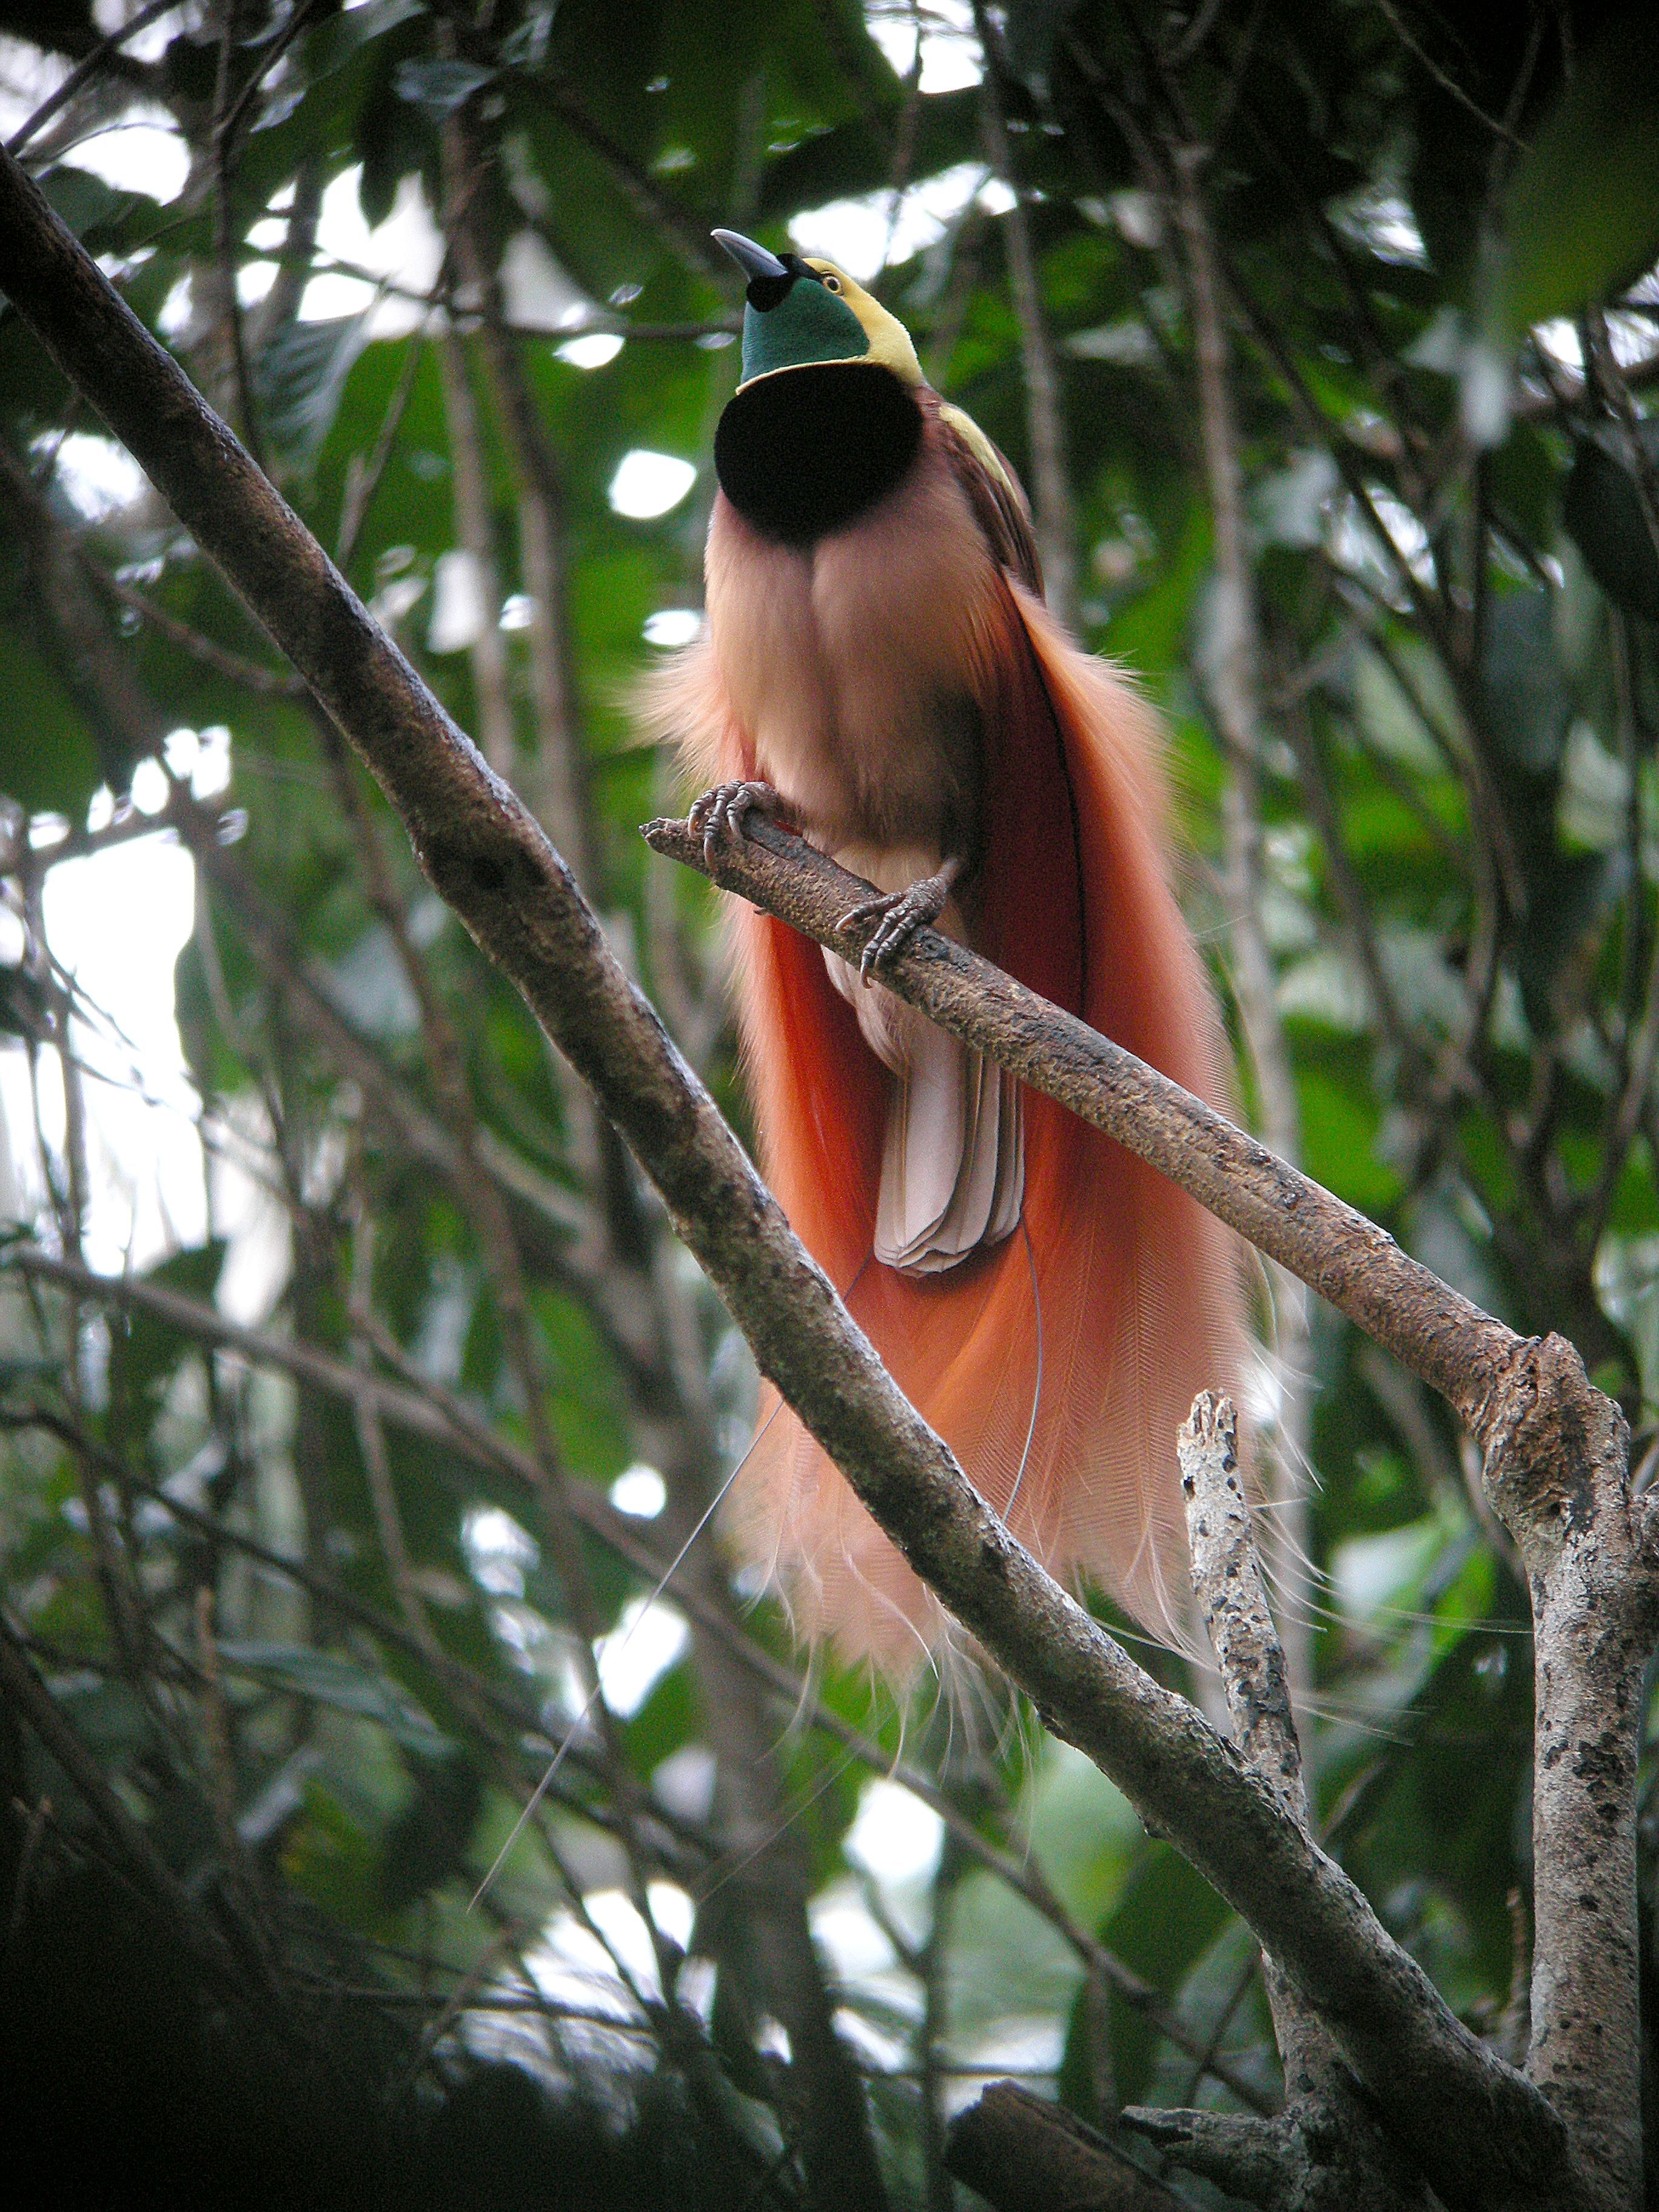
(902, 914)
(720, 814)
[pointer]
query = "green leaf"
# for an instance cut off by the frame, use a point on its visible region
(1340, 1139)
(144, 1348)
(49, 761)
(299, 379)
(1603, 511)
(332, 1679)
(1167, 1920)
(427, 1843)
(441, 87)
(1528, 706)
(1581, 216)
(84, 201)
(527, 47)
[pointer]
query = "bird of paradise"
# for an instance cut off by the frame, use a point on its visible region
(878, 669)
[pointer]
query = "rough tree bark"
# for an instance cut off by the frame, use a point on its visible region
(1482, 2134)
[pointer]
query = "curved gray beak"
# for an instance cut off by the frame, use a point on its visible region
(754, 260)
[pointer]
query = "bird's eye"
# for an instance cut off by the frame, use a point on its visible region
(832, 284)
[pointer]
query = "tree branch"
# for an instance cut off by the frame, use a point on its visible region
(1435, 1331)
(1027, 2154)
(1587, 1547)
(1555, 1458)
(1331, 2146)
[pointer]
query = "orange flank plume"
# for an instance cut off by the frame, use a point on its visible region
(1060, 1363)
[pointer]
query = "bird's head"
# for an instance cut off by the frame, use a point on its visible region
(799, 311)
(827, 419)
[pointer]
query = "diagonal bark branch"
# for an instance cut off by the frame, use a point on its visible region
(1435, 1331)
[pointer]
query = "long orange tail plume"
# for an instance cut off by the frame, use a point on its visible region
(1059, 1365)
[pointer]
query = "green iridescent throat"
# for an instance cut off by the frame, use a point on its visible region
(808, 324)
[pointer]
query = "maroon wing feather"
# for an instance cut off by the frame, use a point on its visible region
(998, 504)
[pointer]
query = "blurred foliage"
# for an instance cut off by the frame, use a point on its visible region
(323, 1653)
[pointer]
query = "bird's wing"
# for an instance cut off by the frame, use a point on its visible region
(994, 493)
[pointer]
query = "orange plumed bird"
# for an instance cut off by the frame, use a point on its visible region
(878, 670)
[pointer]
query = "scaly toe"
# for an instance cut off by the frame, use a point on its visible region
(855, 914)
(895, 933)
(711, 814)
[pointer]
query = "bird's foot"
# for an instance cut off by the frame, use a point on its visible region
(719, 815)
(898, 915)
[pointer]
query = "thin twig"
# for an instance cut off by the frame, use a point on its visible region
(85, 70)
(476, 536)
(363, 477)
(297, 23)
(1447, 82)
(222, 142)
(271, 683)
(1051, 482)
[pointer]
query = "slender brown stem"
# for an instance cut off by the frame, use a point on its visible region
(476, 544)
(1051, 482)
(224, 239)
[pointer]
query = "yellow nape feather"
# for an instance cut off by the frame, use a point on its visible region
(890, 341)
(982, 449)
